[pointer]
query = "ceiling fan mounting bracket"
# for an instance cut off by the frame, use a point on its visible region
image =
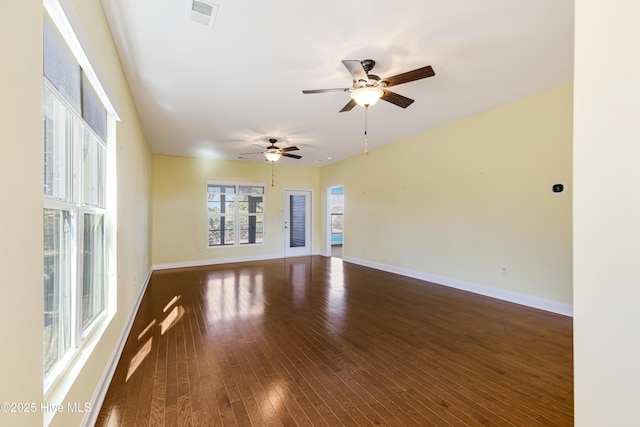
(368, 64)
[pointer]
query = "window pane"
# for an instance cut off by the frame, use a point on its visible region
(94, 158)
(229, 204)
(259, 228)
(228, 237)
(214, 207)
(297, 221)
(244, 236)
(214, 223)
(245, 189)
(220, 202)
(249, 204)
(58, 279)
(60, 66)
(243, 220)
(337, 223)
(337, 202)
(228, 232)
(214, 238)
(102, 175)
(58, 151)
(243, 204)
(221, 230)
(93, 110)
(251, 229)
(93, 292)
(89, 167)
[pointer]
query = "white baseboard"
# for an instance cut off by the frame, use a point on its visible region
(515, 297)
(215, 261)
(97, 399)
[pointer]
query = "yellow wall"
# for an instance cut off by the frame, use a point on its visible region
(21, 172)
(462, 201)
(180, 216)
(21, 167)
(606, 214)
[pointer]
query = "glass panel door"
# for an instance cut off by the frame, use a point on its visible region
(297, 222)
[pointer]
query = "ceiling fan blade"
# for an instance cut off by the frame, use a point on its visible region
(256, 152)
(355, 68)
(293, 156)
(292, 148)
(394, 98)
(349, 106)
(345, 89)
(409, 76)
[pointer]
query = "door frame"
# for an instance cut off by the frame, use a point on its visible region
(308, 249)
(327, 248)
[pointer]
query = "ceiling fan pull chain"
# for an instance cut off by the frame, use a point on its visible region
(272, 174)
(366, 137)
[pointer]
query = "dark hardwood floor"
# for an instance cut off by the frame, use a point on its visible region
(314, 341)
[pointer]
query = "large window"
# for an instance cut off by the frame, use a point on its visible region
(74, 217)
(235, 214)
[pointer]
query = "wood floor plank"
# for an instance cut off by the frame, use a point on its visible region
(171, 405)
(315, 341)
(159, 392)
(184, 392)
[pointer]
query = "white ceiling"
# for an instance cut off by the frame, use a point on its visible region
(214, 92)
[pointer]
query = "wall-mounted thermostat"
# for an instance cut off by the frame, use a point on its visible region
(557, 188)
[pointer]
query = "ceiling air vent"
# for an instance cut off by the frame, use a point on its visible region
(202, 12)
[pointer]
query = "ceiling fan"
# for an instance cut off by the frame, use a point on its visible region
(273, 153)
(367, 88)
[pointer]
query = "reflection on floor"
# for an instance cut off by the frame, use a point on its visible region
(336, 251)
(315, 341)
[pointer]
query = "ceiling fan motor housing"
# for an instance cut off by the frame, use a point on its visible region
(368, 64)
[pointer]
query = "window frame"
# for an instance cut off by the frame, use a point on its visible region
(78, 208)
(235, 214)
(82, 335)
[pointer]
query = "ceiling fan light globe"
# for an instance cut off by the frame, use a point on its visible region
(272, 155)
(367, 96)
